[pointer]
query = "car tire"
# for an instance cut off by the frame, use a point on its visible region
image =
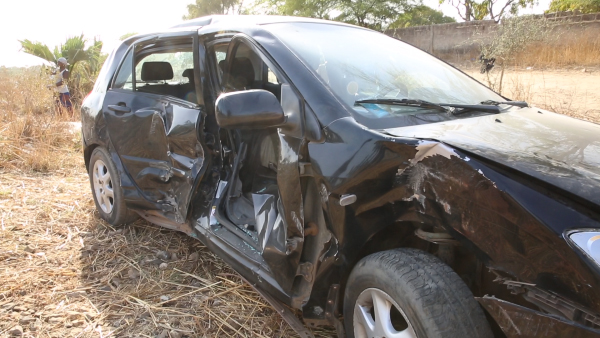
(107, 191)
(393, 292)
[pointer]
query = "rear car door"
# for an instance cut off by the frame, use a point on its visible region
(153, 118)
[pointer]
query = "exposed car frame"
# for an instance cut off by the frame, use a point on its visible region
(500, 217)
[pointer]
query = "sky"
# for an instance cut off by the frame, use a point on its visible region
(53, 22)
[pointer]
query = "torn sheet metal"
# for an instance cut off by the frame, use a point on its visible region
(431, 148)
(265, 213)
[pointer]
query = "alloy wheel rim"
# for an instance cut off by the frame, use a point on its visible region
(377, 315)
(103, 188)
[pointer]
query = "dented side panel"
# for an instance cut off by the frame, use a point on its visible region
(489, 211)
(158, 145)
(501, 220)
(284, 248)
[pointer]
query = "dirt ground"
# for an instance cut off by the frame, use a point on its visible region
(66, 273)
(574, 92)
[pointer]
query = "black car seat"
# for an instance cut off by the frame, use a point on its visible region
(188, 90)
(241, 75)
(153, 71)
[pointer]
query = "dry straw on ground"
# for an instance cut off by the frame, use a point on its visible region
(66, 273)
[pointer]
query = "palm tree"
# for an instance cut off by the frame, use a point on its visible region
(73, 50)
(84, 63)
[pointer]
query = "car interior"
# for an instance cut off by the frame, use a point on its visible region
(167, 72)
(252, 199)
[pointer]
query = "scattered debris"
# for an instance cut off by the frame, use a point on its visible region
(194, 256)
(106, 280)
(16, 331)
(133, 273)
(163, 255)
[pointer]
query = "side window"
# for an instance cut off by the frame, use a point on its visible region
(220, 54)
(124, 76)
(166, 71)
(164, 67)
(271, 77)
(250, 71)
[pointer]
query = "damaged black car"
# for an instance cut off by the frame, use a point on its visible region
(352, 178)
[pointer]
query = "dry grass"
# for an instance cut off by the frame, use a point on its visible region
(570, 92)
(33, 135)
(580, 49)
(66, 273)
(568, 48)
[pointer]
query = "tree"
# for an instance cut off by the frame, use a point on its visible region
(421, 16)
(583, 6)
(73, 50)
(374, 14)
(319, 9)
(493, 9)
(513, 36)
(209, 7)
(84, 63)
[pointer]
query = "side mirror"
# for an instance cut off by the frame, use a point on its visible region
(250, 109)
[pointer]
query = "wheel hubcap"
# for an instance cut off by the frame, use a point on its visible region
(377, 315)
(103, 188)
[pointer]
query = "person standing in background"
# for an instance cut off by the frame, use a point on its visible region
(64, 97)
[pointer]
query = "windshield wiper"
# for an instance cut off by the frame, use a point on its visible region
(472, 107)
(464, 108)
(521, 104)
(404, 102)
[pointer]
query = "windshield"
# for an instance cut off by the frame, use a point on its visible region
(358, 64)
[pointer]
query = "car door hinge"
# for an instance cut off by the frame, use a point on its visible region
(305, 169)
(305, 270)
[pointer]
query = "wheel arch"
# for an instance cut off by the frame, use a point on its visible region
(392, 236)
(87, 154)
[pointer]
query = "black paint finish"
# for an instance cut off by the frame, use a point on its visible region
(252, 109)
(507, 192)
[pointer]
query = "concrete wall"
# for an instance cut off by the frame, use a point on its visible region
(459, 38)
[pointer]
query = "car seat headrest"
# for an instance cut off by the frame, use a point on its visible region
(189, 73)
(241, 74)
(156, 71)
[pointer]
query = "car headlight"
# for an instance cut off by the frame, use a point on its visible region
(588, 242)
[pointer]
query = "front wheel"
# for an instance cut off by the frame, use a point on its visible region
(410, 293)
(106, 189)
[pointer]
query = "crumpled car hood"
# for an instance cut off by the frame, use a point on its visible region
(559, 150)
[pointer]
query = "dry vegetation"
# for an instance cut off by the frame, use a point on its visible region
(572, 91)
(66, 273)
(582, 50)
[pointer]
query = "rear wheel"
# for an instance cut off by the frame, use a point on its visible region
(106, 189)
(410, 293)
